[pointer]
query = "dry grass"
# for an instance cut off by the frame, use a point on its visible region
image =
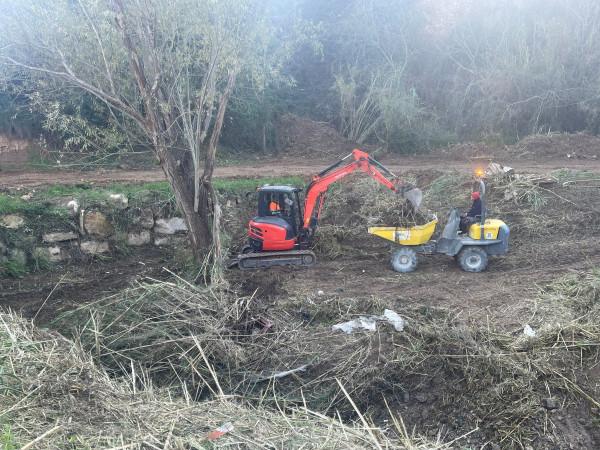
(202, 345)
(380, 206)
(329, 242)
(55, 397)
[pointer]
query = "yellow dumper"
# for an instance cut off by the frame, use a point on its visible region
(485, 237)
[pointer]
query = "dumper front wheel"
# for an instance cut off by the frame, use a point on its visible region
(404, 260)
(473, 259)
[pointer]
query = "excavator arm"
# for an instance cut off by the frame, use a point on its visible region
(315, 192)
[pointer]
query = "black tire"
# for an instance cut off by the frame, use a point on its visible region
(473, 259)
(404, 260)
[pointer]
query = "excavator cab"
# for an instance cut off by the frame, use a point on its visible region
(276, 226)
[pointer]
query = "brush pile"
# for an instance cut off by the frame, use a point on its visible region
(204, 345)
(55, 397)
(361, 202)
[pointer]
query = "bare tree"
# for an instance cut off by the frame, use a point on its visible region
(165, 71)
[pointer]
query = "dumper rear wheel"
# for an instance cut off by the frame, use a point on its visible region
(404, 260)
(473, 259)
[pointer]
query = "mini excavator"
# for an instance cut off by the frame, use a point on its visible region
(283, 230)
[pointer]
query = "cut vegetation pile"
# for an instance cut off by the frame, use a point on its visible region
(492, 385)
(55, 397)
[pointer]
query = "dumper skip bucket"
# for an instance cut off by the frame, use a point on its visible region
(406, 235)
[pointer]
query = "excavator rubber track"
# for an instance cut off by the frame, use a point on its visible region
(256, 260)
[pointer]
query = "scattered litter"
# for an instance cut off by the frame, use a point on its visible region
(269, 375)
(27, 196)
(394, 319)
(370, 323)
(528, 331)
(73, 205)
(320, 293)
(218, 432)
(266, 324)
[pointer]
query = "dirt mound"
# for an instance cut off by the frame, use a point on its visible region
(297, 136)
(301, 137)
(548, 146)
(580, 145)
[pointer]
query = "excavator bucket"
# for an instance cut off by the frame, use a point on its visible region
(414, 196)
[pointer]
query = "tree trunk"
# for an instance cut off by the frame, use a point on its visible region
(198, 222)
(264, 138)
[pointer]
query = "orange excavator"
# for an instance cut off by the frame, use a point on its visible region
(282, 232)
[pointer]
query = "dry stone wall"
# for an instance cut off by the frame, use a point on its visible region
(89, 232)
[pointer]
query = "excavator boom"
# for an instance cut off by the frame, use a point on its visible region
(322, 180)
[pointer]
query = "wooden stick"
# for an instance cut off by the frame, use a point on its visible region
(367, 427)
(209, 366)
(43, 436)
(51, 292)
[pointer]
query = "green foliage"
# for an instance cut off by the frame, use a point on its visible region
(535, 198)
(376, 101)
(447, 184)
(242, 186)
(12, 269)
(159, 192)
(570, 175)
(40, 259)
(11, 205)
(7, 439)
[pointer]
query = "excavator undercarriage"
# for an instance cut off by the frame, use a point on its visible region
(255, 260)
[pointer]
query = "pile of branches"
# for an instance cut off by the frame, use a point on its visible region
(56, 397)
(205, 345)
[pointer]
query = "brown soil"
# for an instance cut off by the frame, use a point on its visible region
(46, 294)
(555, 248)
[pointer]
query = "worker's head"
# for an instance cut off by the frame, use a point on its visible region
(475, 195)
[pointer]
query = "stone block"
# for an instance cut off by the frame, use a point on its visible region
(96, 223)
(170, 226)
(138, 239)
(59, 236)
(119, 201)
(12, 221)
(94, 247)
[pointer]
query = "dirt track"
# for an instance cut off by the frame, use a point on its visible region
(27, 179)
